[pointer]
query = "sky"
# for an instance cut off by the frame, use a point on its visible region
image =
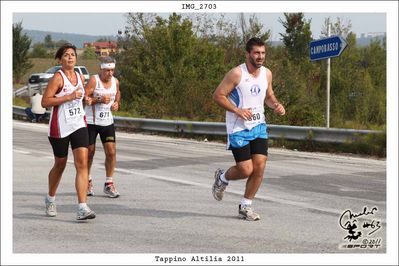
(106, 24)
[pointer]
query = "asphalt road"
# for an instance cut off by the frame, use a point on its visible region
(166, 205)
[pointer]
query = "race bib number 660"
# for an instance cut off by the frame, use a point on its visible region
(257, 117)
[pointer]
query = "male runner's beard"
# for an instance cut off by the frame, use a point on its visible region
(254, 63)
(106, 78)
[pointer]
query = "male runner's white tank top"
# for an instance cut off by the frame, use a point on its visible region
(101, 114)
(68, 117)
(249, 93)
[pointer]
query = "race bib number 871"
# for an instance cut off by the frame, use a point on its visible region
(103, 113)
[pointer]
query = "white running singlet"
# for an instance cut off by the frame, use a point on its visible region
(68, 117)
(249, 93)
(100, 113)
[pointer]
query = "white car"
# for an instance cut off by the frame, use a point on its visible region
(44, 77)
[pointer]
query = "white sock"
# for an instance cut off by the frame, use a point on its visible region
(108, 179)
(82, 205)
(246, 202)
(50, 199)
(223, 177)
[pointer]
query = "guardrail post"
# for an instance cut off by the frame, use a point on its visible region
(29, 90)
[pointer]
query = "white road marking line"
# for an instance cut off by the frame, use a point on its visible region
(21, 151)
(208, 186)
(235, 192)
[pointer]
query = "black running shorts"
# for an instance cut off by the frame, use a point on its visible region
(107, 133)
(256, 146)
(79, 138)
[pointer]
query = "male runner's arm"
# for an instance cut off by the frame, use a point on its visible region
(271, 100)
(115, 106)
(229, 82)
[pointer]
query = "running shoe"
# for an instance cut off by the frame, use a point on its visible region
(247, 212)
(51, 208)
(218, 186)
(110, 190)
(90, 191)
(85, 213)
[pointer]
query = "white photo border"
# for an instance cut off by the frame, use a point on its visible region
(8, 8)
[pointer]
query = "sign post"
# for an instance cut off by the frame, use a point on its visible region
(325, 49)
(328, 83)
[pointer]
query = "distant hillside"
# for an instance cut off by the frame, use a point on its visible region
(75, 39)
(79, 39)
(364, 41)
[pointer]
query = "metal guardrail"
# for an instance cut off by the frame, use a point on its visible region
(319, 134)
(30, 89)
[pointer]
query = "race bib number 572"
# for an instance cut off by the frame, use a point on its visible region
(73, 111)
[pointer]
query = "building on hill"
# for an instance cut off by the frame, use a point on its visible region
(103, 49)
(373, 35)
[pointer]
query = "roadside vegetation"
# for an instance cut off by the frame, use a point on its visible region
(169, 68)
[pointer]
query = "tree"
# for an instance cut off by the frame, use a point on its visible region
(104, 39)
(220, 31)
(165, 65)
(21, 44)
(39, 51)
(339, 27)
(48, 42)
(255, 29)
(296, 77)
(60, 43)
(89, 53)
(297, 35)
(358, 85)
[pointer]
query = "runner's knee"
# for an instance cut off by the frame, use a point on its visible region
(246, 170)
(81, 163)
(60, 163)
(110, 153)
